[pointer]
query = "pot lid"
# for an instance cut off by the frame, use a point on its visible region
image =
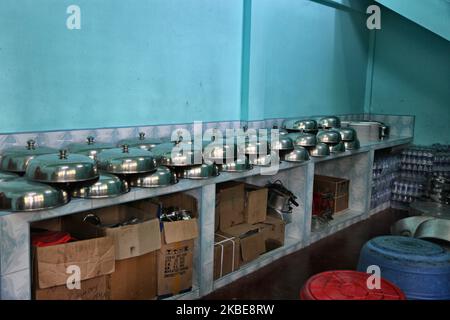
(239, 165)
(89, 148)
(161, 178)
(203, 171)
(177, 154)
(61, 168)
(329, 136)
(141, 142)
(24, 195)
(299, 154)
(107, 186)
(330, 122)
(126, 160)
(6, 176)
(303, 139)
(300, 124)
(15, 159)
(257, 145)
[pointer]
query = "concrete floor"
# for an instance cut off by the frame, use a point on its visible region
(284, 278)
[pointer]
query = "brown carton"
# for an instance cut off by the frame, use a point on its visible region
(256, 204)
(175, 258)
(252, 243)
(98, 288)
(226, 255)
(230, 204)
(135, 278)
(336, 186)
(273, 230)
(130, 240)
(93, 255)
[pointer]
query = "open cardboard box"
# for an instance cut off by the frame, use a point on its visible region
(175, 258)
(95, 257)
(135, 248)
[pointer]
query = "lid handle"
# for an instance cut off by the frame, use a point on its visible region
(31, 144)
(141, 135)
(90, 140)
(63, 154)
(125, 148)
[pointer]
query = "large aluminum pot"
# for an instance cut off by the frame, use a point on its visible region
(126, 160)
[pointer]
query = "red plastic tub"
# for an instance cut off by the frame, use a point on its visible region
(347, 285)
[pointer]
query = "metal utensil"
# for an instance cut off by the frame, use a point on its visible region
(107, 186)
(90, 148)
(126, 160)
(141, 142)
(161, 178)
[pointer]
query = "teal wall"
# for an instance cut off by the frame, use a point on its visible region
(305, 59)
(133, 62)
(431, 14)
(411, 75)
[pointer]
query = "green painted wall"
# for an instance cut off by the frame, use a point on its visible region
(412, 76)
(305, 59)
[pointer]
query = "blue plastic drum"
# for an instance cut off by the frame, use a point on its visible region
(419, 268)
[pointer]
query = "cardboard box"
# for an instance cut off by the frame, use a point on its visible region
(98, 288)
(336, 186)
(95, 256)
(230, 204)
(129, 241)
(226, 255)
(273, 231)
(255, 204)
(340, 204)
(135, 278)
(175, 258)
(252, 243)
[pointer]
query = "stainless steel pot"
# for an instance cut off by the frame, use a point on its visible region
(320, 150)
(265, 160)
(6, 176)
(141, 142)
(299, 154)
(369, 130)
(177, 154)
(255, 145)
(198, 172)
(305, 125)
(16, 159)
(126, 160)
(279, 201)
(239, 165)
(330, 122)
(352, 145)
(283, 143)
(337, 148)
(329, 136)
(24, 195)
(219, 152)
(163, 177)
(347, 134)
(303, 139)
(62, 168)
(107, 186)
(90, 148)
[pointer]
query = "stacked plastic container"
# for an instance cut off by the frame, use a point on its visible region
(385, 171)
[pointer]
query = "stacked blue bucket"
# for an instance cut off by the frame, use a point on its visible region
(419, 268)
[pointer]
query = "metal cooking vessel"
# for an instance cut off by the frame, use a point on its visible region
(24, 195)
(329, 136)
(239, 165)
(305, 125)
(283, 143)
(6, 176)
(369, 130)
(407, 227)
(352, 145)
(429, 208)
(161, 178)
(303, 139)
(255, 145)
(337, 148)
(107, 186)
(279, 201)
(203, 171)
(90, 148)
(434, 229)
(330, 122)
(141, 142)
(126, 160)
(16, 159)
(299, 154)
(265, 160)
(320, 150)
(177, 154)
(219, 152)
(347, 134)
(62, 168)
